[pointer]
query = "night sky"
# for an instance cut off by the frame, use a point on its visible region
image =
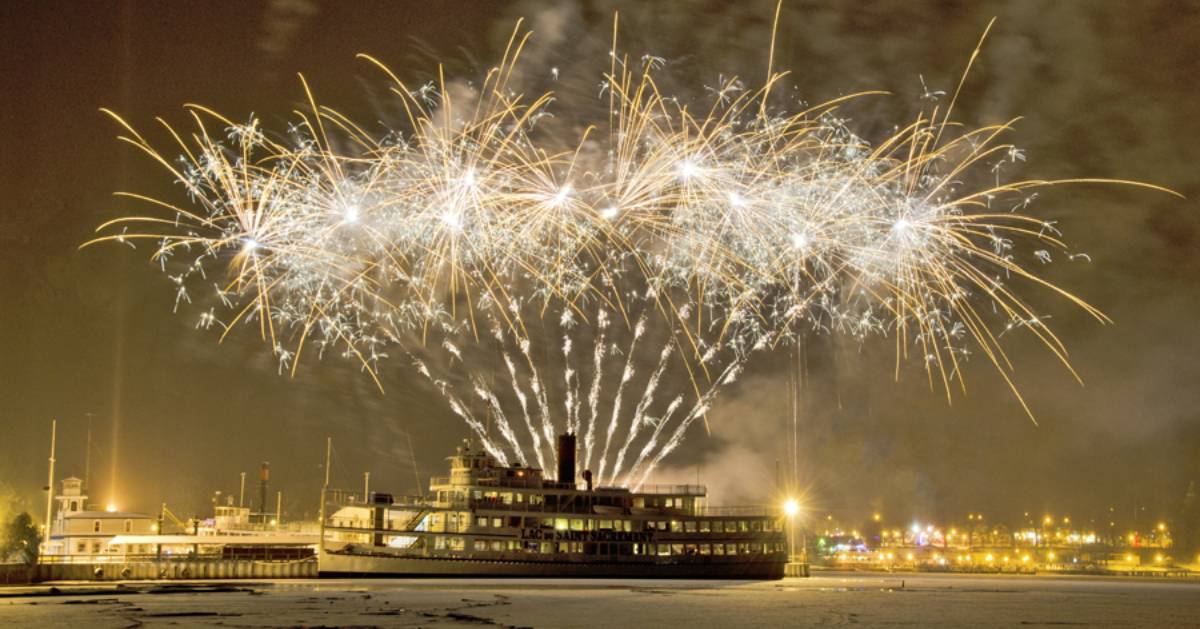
(1104, 89)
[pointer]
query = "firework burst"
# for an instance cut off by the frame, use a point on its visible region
(675, 235)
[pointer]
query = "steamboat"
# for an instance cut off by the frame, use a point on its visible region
(488, 519)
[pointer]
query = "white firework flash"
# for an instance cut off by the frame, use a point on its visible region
(729, 224)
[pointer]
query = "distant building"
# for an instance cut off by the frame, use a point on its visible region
(1187, 537)
(80, 534)
(231, 533)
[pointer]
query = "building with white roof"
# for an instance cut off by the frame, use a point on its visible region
(80, 533)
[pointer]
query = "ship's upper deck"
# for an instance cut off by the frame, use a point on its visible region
(477, 479)
(471, 468)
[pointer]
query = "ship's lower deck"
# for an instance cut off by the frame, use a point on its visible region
(364, 563)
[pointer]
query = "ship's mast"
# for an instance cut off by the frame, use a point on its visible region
(324, 489)
(87, 459)
(416, 471)
(50, 483)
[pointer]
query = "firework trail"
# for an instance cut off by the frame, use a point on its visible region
(523, 401)
(639, 413)
(626, 376)
(539, 394)
(501, 420)
(569, 382)
(594, 392)
(652, 443)
(609, 361)
(462, 411)
(730, 224)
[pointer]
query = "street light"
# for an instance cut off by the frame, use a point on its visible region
(790, 508)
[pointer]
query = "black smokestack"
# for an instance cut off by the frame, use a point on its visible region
(566, 458)
(264, 475)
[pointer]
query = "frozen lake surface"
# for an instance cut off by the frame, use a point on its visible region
(827, 599)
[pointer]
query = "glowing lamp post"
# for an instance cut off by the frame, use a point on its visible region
(790, 509)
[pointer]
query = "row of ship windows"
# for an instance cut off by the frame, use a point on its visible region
(502, 497)
(674, 526)
(670, 502)
(508, 498)
(662, 550)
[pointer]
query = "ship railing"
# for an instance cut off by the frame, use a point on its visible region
(347, 525)
(747, 510)
(677, 490)
(478, 480)
(347, 497)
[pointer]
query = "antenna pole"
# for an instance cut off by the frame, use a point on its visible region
(416, 471)
(87, 459)
(50, 483)
(324, 489)
(328, 453)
